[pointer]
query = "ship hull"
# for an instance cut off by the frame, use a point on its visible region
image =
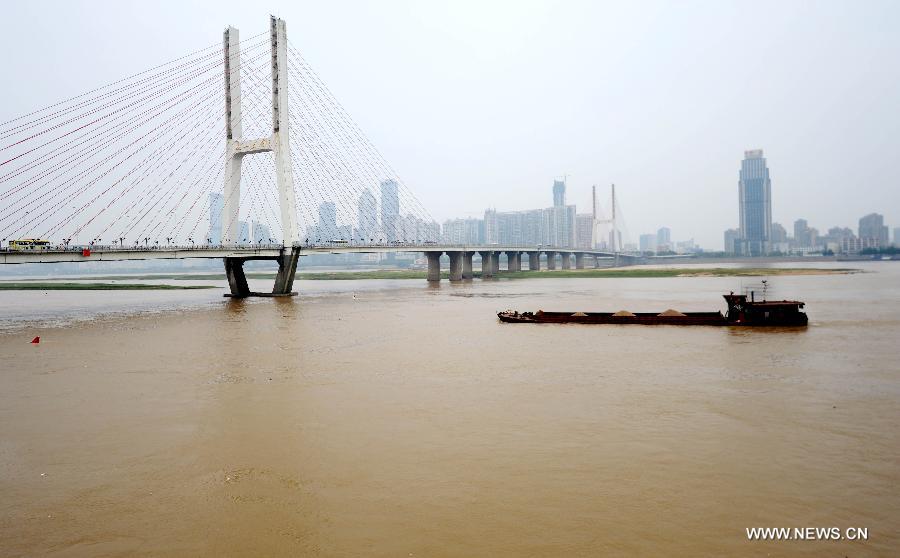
(688, 319)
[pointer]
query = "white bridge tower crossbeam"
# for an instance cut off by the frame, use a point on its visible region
(236, 148)
(279, 142)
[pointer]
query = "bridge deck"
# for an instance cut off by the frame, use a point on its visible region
(109, 253)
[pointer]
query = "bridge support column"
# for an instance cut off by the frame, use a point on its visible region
(566, 260)
(456, 265)
(596, 261)
(534, 261)
(287, 270)
(495, 259)
(551, 260)
(579, 260)
(487, 264)
(237, 281)
(514, 261)
(467, 264)
(284, 280)
(434, 266)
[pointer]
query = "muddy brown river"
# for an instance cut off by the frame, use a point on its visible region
(389, 418)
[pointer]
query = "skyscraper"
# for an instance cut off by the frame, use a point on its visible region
(243, 233)
(491, 227)
(648, 242)
(663, 239)
(804, 235)
(327, 220)
(559, 193)
(779, 234)
(732, 238)
(216, 205)
(390, 209)
(801, 233)
(872, 226)
(584, 230)
(755, 204)
(261, 233)
(367, 222)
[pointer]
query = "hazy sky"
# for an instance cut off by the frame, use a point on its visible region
(483, 103)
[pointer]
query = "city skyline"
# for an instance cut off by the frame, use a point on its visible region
(489, 108)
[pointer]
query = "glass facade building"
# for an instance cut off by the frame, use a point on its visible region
(755, 205)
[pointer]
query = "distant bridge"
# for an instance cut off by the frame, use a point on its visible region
(460, 257)
(147, 158)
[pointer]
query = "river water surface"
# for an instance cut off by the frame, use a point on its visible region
(389, 418)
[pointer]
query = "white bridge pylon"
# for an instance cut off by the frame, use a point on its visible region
(279, 142)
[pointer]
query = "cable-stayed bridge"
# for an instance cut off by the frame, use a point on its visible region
(152, 167)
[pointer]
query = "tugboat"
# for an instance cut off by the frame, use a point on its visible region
(741, 312)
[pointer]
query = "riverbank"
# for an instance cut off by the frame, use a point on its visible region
(57, 286)
(619, 272)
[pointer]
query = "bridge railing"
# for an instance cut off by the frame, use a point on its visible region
(141, 248)
(425, 245)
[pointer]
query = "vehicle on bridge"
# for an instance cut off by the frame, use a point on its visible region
(29, 245)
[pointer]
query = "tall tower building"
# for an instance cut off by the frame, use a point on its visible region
(755, 204)
(390, 209)
(216, 204)
(559, 193)
(664, 239)
(872, 227)
(367, 222)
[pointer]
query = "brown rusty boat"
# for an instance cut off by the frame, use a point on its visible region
(741, 312)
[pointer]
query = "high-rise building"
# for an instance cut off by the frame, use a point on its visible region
(243, 233)
(897, 236)
(261, 233)
(779, 234)
(779, 240)
(663, 239)
(559, 193)
(732, 239)
(327, 220)
(390, 209)
(366, 216)
(804, 235)
(491, 227)
(584, 230)
(532, 227)
(872, 226)
(216, 205)
(559, 226)
(648, 242)
(801, 233)
(755, 204)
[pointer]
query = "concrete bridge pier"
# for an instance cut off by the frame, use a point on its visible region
(434, 266)
(237, 281)
(487, 264)
(287, 270)
(284, 280)
(566, 260)
(534, 261)
(514, 261)
(551, 260)
(579, 260)
(456, 265)
(467, 264)
(596, 261)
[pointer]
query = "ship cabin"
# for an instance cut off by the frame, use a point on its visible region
(771, 313)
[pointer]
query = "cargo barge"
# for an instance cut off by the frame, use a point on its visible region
(741, 312)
